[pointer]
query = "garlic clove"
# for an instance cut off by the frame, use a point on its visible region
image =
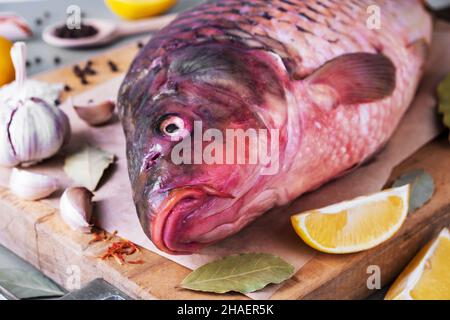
(96, 114)
(8, 156)
(63, 121)
(76, 208)
(14, 27)
(32, 186)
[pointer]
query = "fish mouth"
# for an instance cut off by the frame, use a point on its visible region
(176, 208)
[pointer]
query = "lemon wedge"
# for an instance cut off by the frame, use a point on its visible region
(427, 277)
(355, 225)
(139, 9)
(7, 73)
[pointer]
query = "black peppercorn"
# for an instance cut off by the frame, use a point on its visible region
(77, 71)
(113, 66)
(85, 31)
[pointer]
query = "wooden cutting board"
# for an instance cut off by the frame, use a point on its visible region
(35, 232)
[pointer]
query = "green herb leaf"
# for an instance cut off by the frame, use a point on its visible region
(242, 273)
(422, 187)
(444, 99)
(86, 167)
(25, 284)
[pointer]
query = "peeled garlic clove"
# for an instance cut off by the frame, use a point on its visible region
(32, 186)
(96, 114)
(76, 208)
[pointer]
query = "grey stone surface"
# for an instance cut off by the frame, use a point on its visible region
(34, 10)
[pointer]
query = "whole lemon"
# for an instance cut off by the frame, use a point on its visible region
(6, 66)
(139, 9)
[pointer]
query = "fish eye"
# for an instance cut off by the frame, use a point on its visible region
(173, 127)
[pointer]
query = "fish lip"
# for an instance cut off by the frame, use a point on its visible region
(165, 212)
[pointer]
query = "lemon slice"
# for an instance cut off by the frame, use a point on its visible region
(139, 9)
(354, 225)
(427, 277)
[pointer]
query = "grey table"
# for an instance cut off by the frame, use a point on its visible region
(40, 13)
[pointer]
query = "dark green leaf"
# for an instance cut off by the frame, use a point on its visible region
(25, 284)
(240, 273)
(422, 187)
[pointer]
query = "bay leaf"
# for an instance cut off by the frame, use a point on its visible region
(86, 167)
(444, 99)
(242, 273)
(26, 284)
(422, 187)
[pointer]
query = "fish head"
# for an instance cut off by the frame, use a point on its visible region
(188, 178)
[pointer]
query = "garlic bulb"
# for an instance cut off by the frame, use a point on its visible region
(76, 208)
(49, 92)
(30, 128)
(32, 186)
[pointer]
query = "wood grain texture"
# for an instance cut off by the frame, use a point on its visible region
(36, 233)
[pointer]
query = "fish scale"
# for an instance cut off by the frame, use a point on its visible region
(342, 26)
(312, 69)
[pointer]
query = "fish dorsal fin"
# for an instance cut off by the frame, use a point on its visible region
(354, 78)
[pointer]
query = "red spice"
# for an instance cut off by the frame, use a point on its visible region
(119, 250)
(112, 235)
(99, 236)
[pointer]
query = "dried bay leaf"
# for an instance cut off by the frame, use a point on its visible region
(242, 273)
(444, 99)
(25, 284)
(422, 187)
(16, 275)
(86, 167)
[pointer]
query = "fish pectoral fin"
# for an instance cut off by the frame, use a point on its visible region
(354, 78)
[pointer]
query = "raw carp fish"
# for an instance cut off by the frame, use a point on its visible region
(326, 75)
